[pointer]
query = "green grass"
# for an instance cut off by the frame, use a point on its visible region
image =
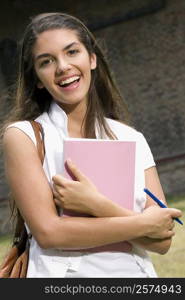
(169, 265)
(172, 264)
(4, 245)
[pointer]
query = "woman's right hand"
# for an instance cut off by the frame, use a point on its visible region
(160, 221)
(79, 195)
(82, 196)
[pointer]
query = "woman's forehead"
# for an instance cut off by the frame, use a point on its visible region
(56, 38)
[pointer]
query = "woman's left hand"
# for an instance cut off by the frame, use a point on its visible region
(80, 195)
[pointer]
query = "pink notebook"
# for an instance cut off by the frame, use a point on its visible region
(110, 165)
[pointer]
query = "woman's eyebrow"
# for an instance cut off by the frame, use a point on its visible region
(47, 54)
(70, 45)
(42, 55)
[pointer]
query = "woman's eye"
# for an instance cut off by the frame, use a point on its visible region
(73, 51)
(46, 62)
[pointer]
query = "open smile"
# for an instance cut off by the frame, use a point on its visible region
(70, 83)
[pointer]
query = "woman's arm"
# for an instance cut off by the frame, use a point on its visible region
(34, 198)
(82, 196)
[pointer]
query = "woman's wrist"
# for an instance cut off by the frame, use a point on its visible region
(107, 208)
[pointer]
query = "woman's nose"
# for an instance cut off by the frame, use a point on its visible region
(62, 66)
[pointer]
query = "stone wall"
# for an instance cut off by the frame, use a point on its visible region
(147, 56)
(145, 45)
(148, 59)
(172, 175)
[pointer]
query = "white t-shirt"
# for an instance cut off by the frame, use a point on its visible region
(59, 263)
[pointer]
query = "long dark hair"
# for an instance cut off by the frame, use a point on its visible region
(104, 98)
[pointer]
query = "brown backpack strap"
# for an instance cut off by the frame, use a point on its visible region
(20, 235)
(39, 135)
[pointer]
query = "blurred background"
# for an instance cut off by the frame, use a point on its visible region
(144, 43)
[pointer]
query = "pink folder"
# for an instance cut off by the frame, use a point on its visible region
(110, 165)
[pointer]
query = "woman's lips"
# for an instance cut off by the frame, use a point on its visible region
(70, 87)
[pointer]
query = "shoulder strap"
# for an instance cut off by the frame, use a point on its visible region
(39, 135)
(20, 235)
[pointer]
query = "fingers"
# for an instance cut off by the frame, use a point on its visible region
(172, 226)
(75, 171)
(56, 191)
(175, 213)
(79, 176)
(58, 195)
(59, 180)
(170, 234)
(57, 202)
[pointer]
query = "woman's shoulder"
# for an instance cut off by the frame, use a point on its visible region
(123, 131)
(25, 126)
(20, 124)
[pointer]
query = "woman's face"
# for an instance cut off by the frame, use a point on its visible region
(63, 66)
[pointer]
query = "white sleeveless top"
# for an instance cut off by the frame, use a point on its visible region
(58, 263)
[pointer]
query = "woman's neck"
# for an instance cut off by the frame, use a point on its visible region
(76, 115)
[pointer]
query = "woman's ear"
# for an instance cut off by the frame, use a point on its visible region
(93, 61)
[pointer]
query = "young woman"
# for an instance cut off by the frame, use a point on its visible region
(64, 84)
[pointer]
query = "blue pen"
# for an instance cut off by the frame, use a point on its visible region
(161, 204)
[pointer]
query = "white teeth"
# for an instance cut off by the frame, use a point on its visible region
(69, 80)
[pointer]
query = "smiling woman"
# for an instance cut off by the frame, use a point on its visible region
(65, 85)
(63, 66)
